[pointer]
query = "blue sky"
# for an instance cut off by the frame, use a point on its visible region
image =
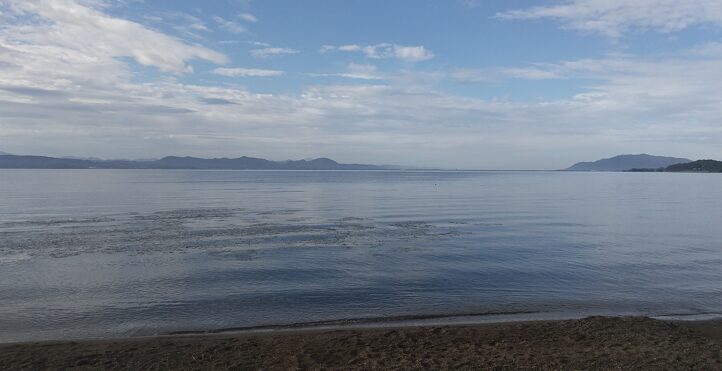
(454, 84)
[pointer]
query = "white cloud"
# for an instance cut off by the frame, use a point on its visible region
(470, 75)
(532, 73)
(272, 52)
(356, 71)
(470, 3)
(247, 72)
(412, 53)
(616, 17)
(67, 88)
(248, 17)
(72, 30)
(229, 26)
(326, 48)
(361, 71)
(385, 51)
(535, 72)
(186, 24)
(198, 26)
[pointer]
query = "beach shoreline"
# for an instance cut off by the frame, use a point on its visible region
(592, 342)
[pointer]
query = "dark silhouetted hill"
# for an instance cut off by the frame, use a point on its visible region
(628, 162)
(699, 166)
(42, 162)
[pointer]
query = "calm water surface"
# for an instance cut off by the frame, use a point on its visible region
(96, 253)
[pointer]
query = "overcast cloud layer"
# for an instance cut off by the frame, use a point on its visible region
(97, 78)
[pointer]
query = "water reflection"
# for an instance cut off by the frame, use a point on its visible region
(118, 253)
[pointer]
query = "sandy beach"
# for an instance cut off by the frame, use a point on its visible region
(591, 343)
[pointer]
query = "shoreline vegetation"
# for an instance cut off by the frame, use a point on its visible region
(699, 166)
(589, 343)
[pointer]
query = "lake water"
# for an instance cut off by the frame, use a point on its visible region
(96, 253)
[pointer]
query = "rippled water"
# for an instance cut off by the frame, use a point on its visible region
(95, 253)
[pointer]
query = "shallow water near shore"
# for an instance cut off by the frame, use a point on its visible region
(115, 253)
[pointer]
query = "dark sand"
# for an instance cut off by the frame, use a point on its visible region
(592, 343)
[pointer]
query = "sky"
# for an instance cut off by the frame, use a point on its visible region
(465, 84)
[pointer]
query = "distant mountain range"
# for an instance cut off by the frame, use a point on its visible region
(628, 162)
(174, 162)
(635, 163)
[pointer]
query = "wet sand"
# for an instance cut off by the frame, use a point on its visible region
(591, 343)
